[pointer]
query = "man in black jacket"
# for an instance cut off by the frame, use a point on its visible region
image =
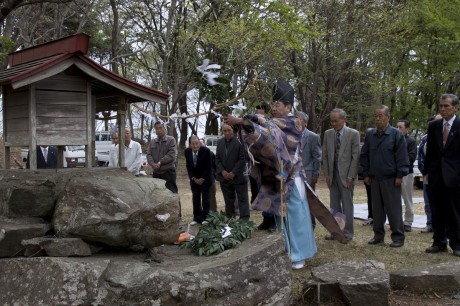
(199, 167)
(442, 167)
(232, 173)
(385, 162)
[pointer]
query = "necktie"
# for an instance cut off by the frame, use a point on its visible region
(45, 154)
(195, 157)
(337, 145)
(445, 133)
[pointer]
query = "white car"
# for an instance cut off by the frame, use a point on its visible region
(211, 142)
(74, 156)
(103, 145)
(418, 177)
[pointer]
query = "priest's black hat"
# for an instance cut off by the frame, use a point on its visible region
(283, 91)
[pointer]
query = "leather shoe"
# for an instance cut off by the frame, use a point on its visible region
(437, 249)
(375, 241)
(267, 223)
(369, 221)
(427, 229)
(397, 244)
(407, 228)
(457, 253)
(272, 229)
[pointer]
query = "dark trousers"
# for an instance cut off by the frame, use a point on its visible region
(169, 175)
(254, 188)
(212, 197)
(386, 201)
(309, 175)
(200, 200)
(445, 211)
(369, 201)
(427, 196)
(241, 190)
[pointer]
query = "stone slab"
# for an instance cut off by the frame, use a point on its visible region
(352, 283)
(14, 230)
(256, 272)
(58, 247)
(441, 278)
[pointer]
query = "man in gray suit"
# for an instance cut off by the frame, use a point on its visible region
(340, 161)
(311, 151)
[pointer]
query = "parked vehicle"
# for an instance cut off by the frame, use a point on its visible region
(418, 177)
(211, 142)
(74, 156)
(103, 144)
(24, 153)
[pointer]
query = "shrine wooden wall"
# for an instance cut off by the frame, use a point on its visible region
(56, 106)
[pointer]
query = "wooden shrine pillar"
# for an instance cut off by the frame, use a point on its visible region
(32, 128)
(121, 118)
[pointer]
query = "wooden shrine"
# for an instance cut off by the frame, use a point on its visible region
(52, 92)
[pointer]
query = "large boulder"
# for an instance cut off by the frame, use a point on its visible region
(256, 272)
(115, 208)
(14, 230)
(25, 193)
(105, 205)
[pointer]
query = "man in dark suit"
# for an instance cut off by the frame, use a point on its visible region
(232, 173)
(442, 165)
(46, 157)
(198, 162)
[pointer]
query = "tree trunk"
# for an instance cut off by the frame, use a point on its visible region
(115, 33)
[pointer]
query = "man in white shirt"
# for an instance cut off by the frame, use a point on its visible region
(113, 153)
(133, 154)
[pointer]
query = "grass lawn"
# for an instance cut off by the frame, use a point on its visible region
(411, 255)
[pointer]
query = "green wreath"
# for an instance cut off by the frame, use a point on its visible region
(219, 234)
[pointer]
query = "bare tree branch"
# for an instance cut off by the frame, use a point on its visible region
(6, 7)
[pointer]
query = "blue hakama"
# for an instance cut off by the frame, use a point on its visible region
(298, 230)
